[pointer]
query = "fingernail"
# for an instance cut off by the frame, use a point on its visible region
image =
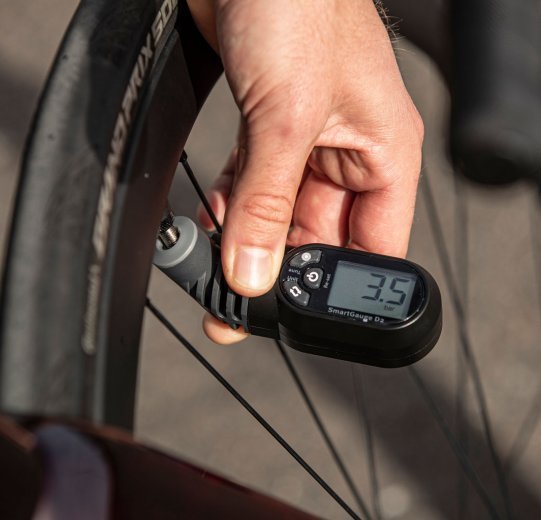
(219, 201)
(253, 267)
(215, 202)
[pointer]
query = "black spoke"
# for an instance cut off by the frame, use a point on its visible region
(455, 445)
(469, 356)
(461, 261)
(525, 431)
(294, 374)
(200, 192)
(323, 431)
(362, 407)
(533, 414)
(249, 408)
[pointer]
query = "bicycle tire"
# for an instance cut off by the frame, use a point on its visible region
(104, 144)
(124, 92)
(26, 405)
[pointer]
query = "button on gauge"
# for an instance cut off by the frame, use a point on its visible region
(312, 277)
(306, 257)
(295, 293)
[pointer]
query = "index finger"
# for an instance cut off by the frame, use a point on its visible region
(380, 221)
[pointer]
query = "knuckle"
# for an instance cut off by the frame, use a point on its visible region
(418, 125)
(282, 113)
(382, 160)
(267, 209)
(282, 127)
(406, 123)
(387, 163)
(402, 153)
(289, 129)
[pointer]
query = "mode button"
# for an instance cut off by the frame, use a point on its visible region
(295, 293)
(312, 256)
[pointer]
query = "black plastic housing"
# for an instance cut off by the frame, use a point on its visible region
(390, 343)
(311, 325)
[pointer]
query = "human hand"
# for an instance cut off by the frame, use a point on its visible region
(330, 141)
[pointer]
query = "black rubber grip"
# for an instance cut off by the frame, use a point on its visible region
(212, 292)
(496, 89)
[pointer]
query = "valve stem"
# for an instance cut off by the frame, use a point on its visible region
(168, 233)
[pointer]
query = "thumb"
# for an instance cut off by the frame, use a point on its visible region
(260, 208)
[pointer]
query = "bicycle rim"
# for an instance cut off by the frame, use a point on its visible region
(97, 169)
(116, 345)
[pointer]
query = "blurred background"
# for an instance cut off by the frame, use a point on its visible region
(492, 239)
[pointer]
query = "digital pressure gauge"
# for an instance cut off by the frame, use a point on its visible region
(330, 301)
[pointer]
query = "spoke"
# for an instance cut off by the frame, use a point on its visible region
(455, 445)
(362, 407)
(533, 415)
(294, 374)
(200, 192)
(323, 431)
(525, 432)
(535, 238)
(443, 255)
(249, 408)
(461, 261)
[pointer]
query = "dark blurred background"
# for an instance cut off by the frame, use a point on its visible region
(183, 411)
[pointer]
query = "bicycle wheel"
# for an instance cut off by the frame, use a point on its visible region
(49, 228)
(125, 89)
(97, 169)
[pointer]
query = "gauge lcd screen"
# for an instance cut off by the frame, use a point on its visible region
(363, 288)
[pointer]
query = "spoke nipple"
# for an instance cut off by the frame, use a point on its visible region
(168, 233)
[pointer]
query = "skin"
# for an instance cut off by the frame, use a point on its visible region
(329, 146)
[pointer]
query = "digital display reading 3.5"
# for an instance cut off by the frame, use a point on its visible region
(373, 290)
